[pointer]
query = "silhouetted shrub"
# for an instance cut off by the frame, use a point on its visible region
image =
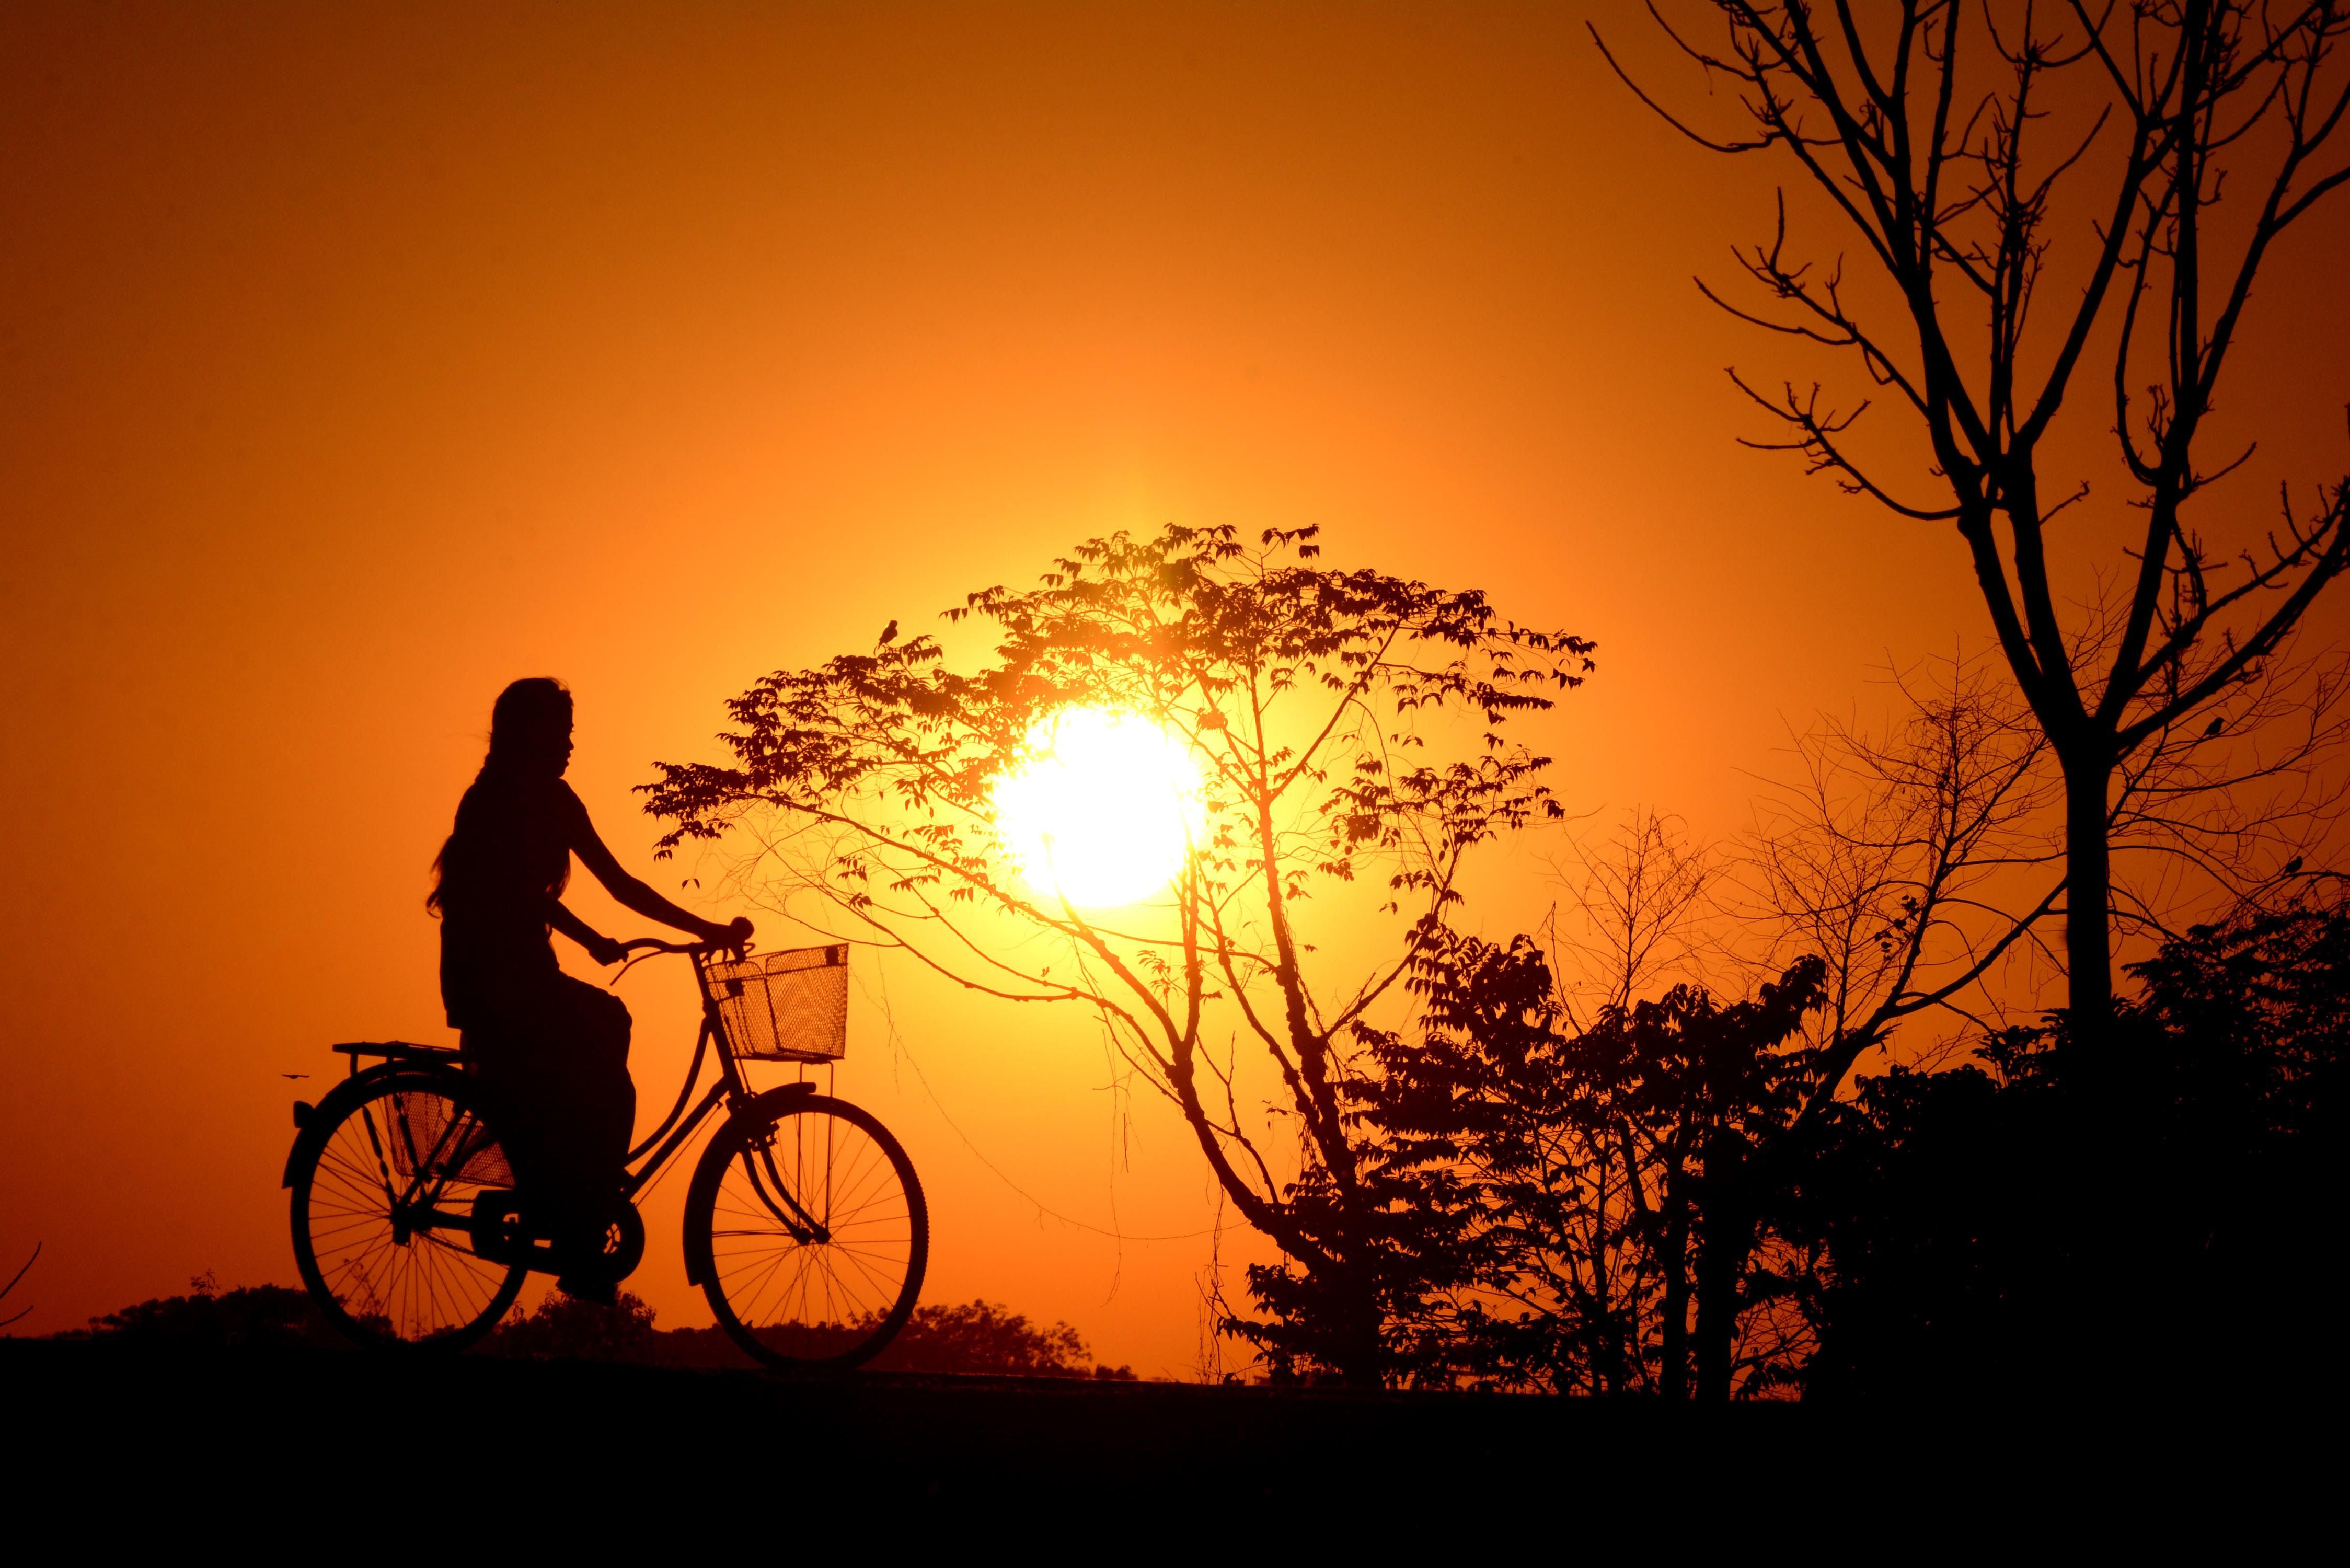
(984, 1337)
(208, 1318)
(1939, 1199)
(560, 1328)
(2168, 1221)
(981, 1337)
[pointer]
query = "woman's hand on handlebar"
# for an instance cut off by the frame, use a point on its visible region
(735, 934)
(604, 950)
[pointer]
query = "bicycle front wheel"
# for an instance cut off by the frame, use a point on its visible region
(385, 1178)
(806, 1228)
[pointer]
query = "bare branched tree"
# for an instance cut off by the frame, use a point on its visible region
(1636, 1103)
(1915, 860)
(1922, 124)
(2221, 810)
(1640, 906)
(1923, 859)
(1631, 1153)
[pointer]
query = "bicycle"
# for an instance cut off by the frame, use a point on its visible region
(806, 1227)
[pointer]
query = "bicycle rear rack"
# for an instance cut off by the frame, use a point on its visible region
(396, 1050)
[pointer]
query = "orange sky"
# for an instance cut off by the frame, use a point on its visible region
(355, 361)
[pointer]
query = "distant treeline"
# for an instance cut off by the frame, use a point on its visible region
(1645, 1205)
(980, 1337)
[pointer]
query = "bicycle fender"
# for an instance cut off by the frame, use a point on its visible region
(331, 1106)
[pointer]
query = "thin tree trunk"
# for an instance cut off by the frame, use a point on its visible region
(1607, 1363)
(2088, 899)
(1365, 1363)
(1721, 1255)
(2101, 1195)
(1672, 1378)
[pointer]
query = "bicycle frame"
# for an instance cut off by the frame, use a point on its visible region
(671, 1136)
(676, 1129)
(645, 1163)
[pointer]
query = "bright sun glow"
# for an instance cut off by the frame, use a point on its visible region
(1104, 809)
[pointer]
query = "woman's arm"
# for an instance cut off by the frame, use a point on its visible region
(634, 895)
(600, 948)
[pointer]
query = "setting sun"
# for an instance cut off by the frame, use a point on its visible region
(1103, 811)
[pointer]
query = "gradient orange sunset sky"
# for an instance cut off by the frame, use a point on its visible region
(356, 360)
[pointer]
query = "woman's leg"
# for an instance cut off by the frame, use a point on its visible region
(558, 1059)
(592, 1108)
(509, 1068)
(603, 1097)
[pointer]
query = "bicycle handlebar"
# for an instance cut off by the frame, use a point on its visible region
(644, 947)
(655, 945)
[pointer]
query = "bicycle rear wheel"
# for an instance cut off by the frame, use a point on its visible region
(385, 1177)
(807, 1231)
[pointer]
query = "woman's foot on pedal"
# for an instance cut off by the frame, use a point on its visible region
(588, 1288)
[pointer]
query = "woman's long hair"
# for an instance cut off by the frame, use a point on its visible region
(501, 844)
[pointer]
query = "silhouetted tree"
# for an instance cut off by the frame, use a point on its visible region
(1911, 859)
(1643, 905)
(1616, 1181)
(1347, 728)
(1618, 1195)
(1921, 123)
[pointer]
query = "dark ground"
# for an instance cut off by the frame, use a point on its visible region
(331, 1435)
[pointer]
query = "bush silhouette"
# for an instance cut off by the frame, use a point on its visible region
(251, 1317)
(562, 1329)
(979, 1337)
(975, 1339)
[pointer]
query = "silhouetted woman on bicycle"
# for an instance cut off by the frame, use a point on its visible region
(554, 1049)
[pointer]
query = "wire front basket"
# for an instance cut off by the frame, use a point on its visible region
(781, 1007)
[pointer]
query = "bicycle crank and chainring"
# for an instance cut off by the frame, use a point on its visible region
(624, 1244)
(502, 1233)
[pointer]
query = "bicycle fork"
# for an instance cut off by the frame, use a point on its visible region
(805, 1228)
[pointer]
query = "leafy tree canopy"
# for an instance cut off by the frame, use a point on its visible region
(1347, 730)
